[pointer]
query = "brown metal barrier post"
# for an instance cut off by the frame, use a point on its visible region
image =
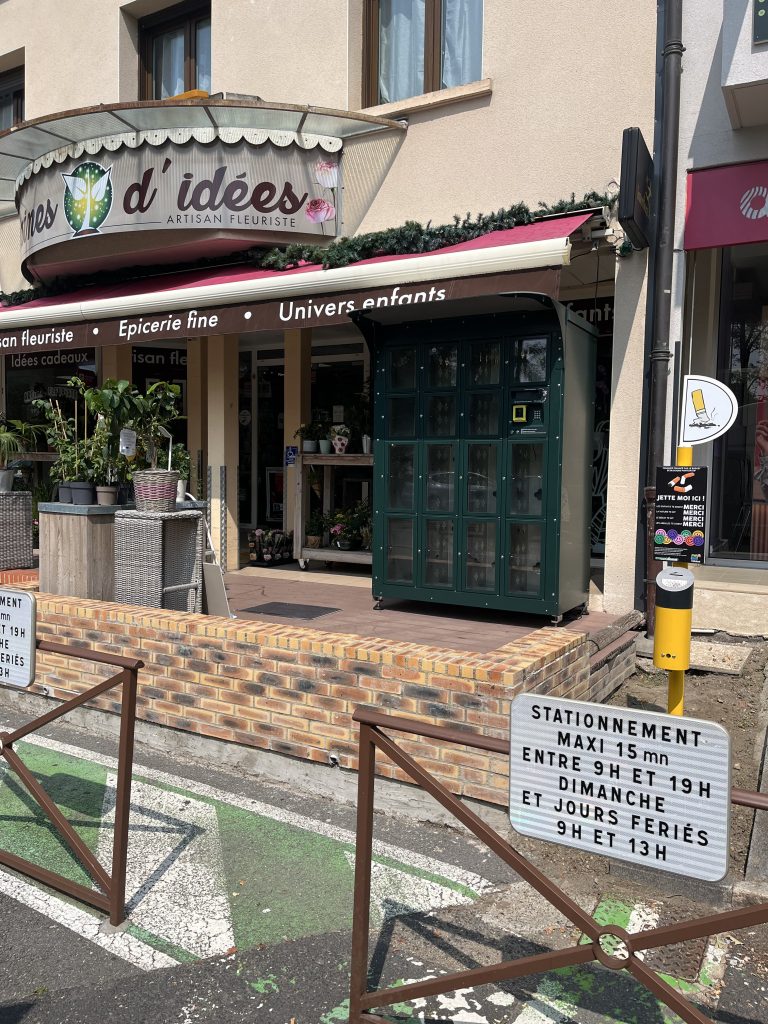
(362, 1000)
(111, 899)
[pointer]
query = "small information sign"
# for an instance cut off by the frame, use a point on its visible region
(681, 507)
(17, 638)
(291, 454)
(637, 786)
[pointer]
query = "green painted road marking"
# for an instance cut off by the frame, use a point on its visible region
(77, 787)
(210, 871)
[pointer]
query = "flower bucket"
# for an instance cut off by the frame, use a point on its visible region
(325, 446)
(340, 444)
(155, 490)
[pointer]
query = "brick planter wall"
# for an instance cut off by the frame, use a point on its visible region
(293, 690)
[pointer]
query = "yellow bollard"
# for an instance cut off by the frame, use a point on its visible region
(674, 615)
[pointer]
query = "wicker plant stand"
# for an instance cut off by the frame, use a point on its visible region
(159, 559)
(15, 530)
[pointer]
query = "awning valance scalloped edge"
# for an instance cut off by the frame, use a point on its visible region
(179, 136)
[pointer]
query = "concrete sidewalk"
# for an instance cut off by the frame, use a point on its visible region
(240, 900)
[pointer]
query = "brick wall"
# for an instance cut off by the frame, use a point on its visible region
(293, 690)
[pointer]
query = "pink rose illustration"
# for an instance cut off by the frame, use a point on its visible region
(327, 173)
(319, 210)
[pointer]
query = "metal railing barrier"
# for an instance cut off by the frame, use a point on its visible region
(111, 898)
(362, 1000)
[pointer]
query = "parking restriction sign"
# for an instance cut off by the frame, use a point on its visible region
(17, 638)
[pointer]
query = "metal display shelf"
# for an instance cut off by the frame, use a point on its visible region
(330, 463)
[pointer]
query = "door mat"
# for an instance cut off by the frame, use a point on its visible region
(290, 611)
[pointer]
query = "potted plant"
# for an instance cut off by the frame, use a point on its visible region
(180, 461)
(102, 465)
(269, 547)
(315, 528)
(310, 434)
(340, 437)
(154, 411)
(363, 522)
(16, 437)
(60, 434)
(342, 530)
(325, 445)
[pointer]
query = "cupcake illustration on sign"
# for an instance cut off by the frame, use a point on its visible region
(87, 197)
(320, 209)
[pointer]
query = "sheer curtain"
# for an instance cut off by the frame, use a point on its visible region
(6, 112)
(462, 42)
(401, 49)
(203, 54)
(168, 69)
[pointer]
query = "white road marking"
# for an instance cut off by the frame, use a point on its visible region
(141, 954)
(175, 882)
(395, 892)
(121, 944)
(410, 858)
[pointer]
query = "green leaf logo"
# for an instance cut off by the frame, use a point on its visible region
(87, 197)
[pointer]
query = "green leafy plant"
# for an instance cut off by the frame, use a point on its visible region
(16, 437)
(315, 524)
(61, 436)
(311, 431)
(153, 412)
(180, 461)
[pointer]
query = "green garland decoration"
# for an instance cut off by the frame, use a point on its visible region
(410, 238)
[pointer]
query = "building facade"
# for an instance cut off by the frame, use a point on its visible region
(720, 315)
(376, 113)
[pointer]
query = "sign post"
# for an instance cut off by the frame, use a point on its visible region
(708, 409)
(632, 785)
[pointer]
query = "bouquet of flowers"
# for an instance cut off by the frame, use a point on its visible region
(269, 547)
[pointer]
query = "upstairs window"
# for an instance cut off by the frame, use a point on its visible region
(418, 46)
(176, 51)
(11, 98)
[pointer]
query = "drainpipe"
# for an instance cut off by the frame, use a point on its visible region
(661, 351)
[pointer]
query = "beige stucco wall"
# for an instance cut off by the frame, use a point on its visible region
(551, 126)
(624, 470)
(562, 88)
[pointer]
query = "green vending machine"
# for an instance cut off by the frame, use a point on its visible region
(483, 458)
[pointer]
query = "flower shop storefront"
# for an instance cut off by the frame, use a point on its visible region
(265, 358)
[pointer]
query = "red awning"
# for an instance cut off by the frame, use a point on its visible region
(727, 206)
(540, 231)
(238, 298)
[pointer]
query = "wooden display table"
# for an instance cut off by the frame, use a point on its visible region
(77, 549)
(330, 463)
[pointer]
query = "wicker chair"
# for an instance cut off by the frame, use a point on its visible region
(159, 559)
(15, 530)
